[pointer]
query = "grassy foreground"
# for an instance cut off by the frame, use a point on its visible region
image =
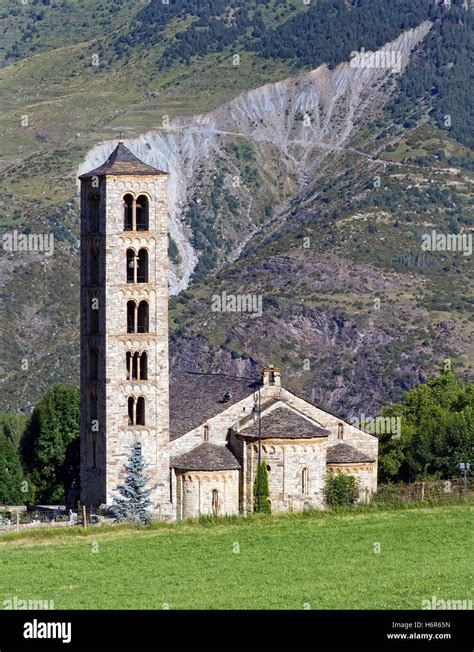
(315, 561)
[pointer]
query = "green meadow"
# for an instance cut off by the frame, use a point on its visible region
(369, 558)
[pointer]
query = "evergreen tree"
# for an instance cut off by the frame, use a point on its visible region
(50, 445)
(134, 500)
(265, 506)
(13, 488)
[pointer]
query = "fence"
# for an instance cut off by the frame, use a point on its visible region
(436, 490)
(21, 518)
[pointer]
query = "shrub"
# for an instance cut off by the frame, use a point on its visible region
(341, 490)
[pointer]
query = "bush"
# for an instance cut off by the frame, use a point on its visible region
(341, 490)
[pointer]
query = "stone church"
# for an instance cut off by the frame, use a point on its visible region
(201, 434)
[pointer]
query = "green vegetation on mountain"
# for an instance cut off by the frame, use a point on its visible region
(332, 29)
(441, 77)
(373, 232)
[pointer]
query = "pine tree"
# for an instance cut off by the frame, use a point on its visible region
(265, 506)
(135, 494)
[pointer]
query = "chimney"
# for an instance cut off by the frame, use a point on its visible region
(271, 377)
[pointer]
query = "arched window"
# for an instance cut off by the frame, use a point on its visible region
(142, 266)
(94, 204)
(206, 433)
(305, 481)
(136, 411)
(94, 315)
(142, 213)
(143, 317)
(144, 366)
(128, 213)
(215, 502)
(93, 364)
(131, 265)
(131, 411)
(340, 431)
(131, 314)
(140, 418)
(93, 266)
(93, 413)
(136, 366)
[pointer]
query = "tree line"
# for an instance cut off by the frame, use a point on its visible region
(39, 455)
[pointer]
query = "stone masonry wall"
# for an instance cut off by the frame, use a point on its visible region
(287, 459)
(195, 493)
(118, 435)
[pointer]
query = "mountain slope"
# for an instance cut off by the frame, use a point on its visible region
(319, 212)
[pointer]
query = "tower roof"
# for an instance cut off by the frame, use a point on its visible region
(122, 162)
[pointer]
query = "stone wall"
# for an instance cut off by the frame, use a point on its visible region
(194, 493)
(287, 459)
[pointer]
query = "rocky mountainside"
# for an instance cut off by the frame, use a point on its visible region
(280, 134)
(306, 187)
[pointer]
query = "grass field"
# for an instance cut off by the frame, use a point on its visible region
(315, 561)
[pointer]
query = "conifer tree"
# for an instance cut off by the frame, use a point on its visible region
(134, 500)
(265, 507)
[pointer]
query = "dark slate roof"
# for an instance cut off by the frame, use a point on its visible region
(120, 162)
(206, 457)
(345, 454)
(195, 398)
(282, 423)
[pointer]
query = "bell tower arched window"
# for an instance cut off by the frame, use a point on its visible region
(94, 315)
(136, 411)
(131, 316)
(142, 213)
(94, 205)
(143, 317)
(131, 411)
(128, 211)
(137, 266)
(131, 264)
(143, 366)
(340, 431)
(136, 366)
(140, 413)
(93, 364)
(142, 266)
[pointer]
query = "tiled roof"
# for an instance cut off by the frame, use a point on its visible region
(195, 398)
(345, 454)
(282, 423)
(206, 457)
(121, 162)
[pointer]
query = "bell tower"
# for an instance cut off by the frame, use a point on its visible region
(124, 326)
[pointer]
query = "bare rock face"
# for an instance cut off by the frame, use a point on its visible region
(290, 127)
